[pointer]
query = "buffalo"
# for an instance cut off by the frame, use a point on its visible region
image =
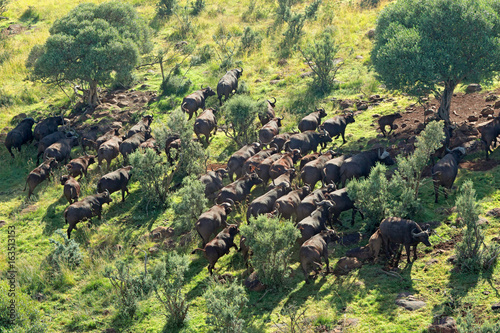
(129, 145)
(342, 203)
(238, 190)
(106, 136)
(39, 174)
(314, 223)
(308, 204)
(307, 141)
(212, 220)
(48, 140)
(405, 232)
(71, 188)
(445, 171)
(172, 142)
(109, 150)
(313, 249)
(311, 173)
(142, 126)
(269, 130)
(205, 124)
(280, 140)
(228, 83)
(253, 162)
(219, 246)
(388, 121)
(336, 125)
(489, 133)
(265, 166)
(212, 181)
(47, 126)
(360, 164)
(85, 209)
(61, 150)
(283, 164)
(286, 206)
(115, 181)
(308, 158)
(265, 203)
(236, 161)
(285, 179)
(20, 135)
(79, 166)
(331, 171)
(192, 102)
(312, 120)
(268, 114)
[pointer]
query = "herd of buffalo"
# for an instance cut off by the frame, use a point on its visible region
(273, 164)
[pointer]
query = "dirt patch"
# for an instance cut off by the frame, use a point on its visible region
(13, 29)
(449, 244)
(480, 165)
(29, 209)
(215, 166)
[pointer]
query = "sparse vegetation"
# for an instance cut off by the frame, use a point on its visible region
(191, 205)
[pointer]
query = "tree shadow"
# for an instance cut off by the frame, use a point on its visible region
(52, 220)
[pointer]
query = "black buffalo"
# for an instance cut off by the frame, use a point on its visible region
(236, 161)
(360, 164)
(265, 203)
(20, 135)
(212, 181)
(269, 113)
(47, 126)
(445, 171)
(228, 83)
(307, 141)
(142, 126)
(238, 190)
(270, 130)
(115, 181)
(312, 120)
(205, 124)
(192, 102)
(336, 125)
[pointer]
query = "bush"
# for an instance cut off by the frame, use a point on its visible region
(369, 3)
(197, 6)
(202, 56)
(283, 12)
(175, 85)
(271, 241)
(292, 34)
(379, 198)
(168, 277)
(250, 40)
(226, 47)
(472, 254)
(320, 57)
(467, 324)
(165, 8)
(240, 113)
(192, 204)
(28, 318)
(66, 253)
(312, 9)
(224, 303)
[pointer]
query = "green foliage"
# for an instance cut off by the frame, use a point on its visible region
(28, 317)
(197, 6)
(192, 204)
(369, 3)
(165, 8)
(202, 56)
(320, 57)
(250, 40)
(240, 113)
(184, 26)
(175, 85)
(472, 254)
(297, 320)
(312, 9)
(224, 302)
(91, 43)
(66, 253)
(292, 34)
(5, 99)
(468, 324)
(283, 11)
(421, 45)
(3, 6)
(129, 287)
(226, 47)
(271, 241)
(168, 277)
(379, 198)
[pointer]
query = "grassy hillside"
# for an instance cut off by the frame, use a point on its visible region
(82, 299)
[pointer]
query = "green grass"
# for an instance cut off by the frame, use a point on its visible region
(82, 300)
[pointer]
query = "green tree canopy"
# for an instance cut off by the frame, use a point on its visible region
(431, 46)
(90, 44)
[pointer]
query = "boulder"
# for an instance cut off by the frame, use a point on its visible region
(370, 34)
(346, 103)
(160, 233)
(2, 223)
(472, 119)
(443, 325)
(410, 303)
(495, 212)
(491, 98)
(487, 111)
(495, 306)
(474, 87)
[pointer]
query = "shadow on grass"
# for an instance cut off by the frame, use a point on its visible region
(52, 220)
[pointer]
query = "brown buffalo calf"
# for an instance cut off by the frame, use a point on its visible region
(78, 166)
(71, 188)
(313, 249)
(219, 246)
(39, 174)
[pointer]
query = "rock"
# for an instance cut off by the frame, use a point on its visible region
(376, 115)
(39, 297)
(482, 221)
(491, 98)
(495, 212)
(274, 81)
(122, 104)
(431, 262)
(403, 125)
(410, 303)
(474, 87)
(360, 253)
(472, 119)
(452, 259)
(370, 34)
(160, 233)
(359, 57)
(495, 306)
(375, 98)
(345, 265)
(346, 103)
(361, 106)
(18, 118)
(443, 325)
(497, 105)
(2, 223)
(487, 111)
(153, 250)
(253, 283)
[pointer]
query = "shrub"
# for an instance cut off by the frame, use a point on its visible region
(369, 3)
(250, 40)
(472, 254)
(192, 204)
(380, 198)
(3, 6)
(175, 85)
(168, 277)
(283, 12)
(226, 47)
(239, 114)
(165, 8)
(130, 288)
(292, 34)
(468, 324)
(28, 318)
(271, 241)
(312, 9)
(197, 6)
(320, 57)
(66, 253)
(224, 302)
(202, 56)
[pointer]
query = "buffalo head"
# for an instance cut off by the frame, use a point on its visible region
(385, 157)
(272, 104)
(422, 236)
(322, 112)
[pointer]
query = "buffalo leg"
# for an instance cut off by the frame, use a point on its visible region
(445, 192)
(408, 253)
(414, 252)
(343, 138)
(436, 194)
(327, 262)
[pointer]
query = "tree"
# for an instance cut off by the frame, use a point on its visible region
(240, 113)
(90, 45)
(431, 46)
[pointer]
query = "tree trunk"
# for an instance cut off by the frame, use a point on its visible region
(92, 95)
(444, 108)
